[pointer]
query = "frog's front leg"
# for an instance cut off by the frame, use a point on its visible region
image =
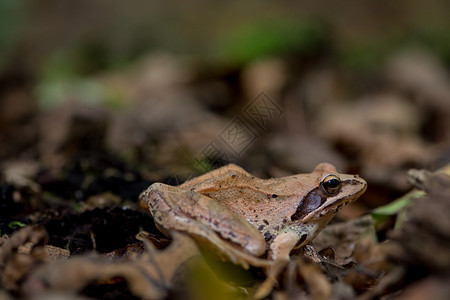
(280, 249)
(201, 216)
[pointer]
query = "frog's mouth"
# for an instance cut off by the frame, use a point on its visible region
(317, 204)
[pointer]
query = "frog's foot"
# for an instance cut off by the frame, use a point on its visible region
(268, 284)
(279, 253)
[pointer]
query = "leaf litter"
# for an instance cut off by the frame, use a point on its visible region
(80, 167)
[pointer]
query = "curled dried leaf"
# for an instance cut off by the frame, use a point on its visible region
(20, 254)
(147, 276)
(427, 221)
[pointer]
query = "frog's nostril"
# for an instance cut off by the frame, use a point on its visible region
(354, 182)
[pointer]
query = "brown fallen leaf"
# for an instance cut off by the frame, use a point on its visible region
(148, 276)
(21, 253)
(371, 265)
(352, 253)
(102, 200)
(420, 245)
(435, 287)
(127, 252)
(313, 283)
(384, 136)
(57, 253)
(424, 237)
(342, 237)
(318, 285)
(422, 74)
(387, 284)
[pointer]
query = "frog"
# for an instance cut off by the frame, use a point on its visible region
(252, 221)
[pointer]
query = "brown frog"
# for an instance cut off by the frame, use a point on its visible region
(251, 220)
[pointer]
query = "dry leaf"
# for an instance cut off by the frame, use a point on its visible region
(148, 276)
(20, 254)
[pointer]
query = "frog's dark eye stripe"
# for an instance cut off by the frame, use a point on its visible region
(330, 184)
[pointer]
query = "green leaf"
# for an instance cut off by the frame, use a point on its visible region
(16, 224)
(396, 207)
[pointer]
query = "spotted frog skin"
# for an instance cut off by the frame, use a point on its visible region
(253, 221)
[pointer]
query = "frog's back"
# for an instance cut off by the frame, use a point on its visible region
(221, 178)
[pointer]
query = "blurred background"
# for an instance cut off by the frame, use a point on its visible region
(110, 96)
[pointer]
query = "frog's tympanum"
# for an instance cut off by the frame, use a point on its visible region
(251, 220)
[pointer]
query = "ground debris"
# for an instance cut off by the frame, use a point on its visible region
(420, 246)
(21, 253)
(426, 220)
(147, 276)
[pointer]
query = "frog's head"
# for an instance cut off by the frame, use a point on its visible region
(331, 191)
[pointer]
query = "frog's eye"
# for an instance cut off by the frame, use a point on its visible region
(330, 184)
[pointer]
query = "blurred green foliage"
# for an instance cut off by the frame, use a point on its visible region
(272, 37)
(366, 54)
(12, 18)
(436, 38)
(60, 42)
